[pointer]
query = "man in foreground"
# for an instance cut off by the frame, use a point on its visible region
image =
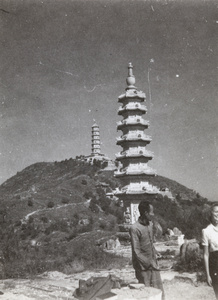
(144, 255)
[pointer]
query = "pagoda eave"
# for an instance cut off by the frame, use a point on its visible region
(127, 141)
(133, 196)
(132, 174)
(125, 110)
(134, 157)
(133, 125)
(132, 94)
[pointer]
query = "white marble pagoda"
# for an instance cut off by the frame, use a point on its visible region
(133, 160)
(96, 144)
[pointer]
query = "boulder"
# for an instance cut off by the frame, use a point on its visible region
(176, 231)
(189, 251)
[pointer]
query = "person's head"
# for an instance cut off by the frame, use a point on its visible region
(145, 210)
(214, 213)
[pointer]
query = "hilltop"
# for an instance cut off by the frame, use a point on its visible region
(50, 211)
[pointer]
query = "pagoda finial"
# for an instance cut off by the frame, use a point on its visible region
(130, 80)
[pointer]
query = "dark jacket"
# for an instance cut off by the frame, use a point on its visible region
(143, 251)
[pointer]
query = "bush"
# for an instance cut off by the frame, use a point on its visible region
(30, 202)
(50, 204)
(191, 259)
(65, 201)
(44, 219)
(88, 195)
(196, 264)
(94, 257)
(76, 266)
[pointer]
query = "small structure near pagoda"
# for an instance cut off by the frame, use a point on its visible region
(133, 169)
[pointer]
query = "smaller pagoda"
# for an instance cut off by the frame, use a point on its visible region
(96, 144)
(133, 169)
(96, 155)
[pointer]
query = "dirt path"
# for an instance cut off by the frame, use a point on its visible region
(56, 285)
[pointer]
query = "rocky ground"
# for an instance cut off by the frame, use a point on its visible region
(56, 285)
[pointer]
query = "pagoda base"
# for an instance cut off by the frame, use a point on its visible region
(131, 203)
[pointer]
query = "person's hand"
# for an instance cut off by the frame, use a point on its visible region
(158, 255)
(209, 280)
(154, 265)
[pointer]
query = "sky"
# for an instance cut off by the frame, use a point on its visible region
(64, 63)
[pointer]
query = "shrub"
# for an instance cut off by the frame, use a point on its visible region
(102, 225)
(196, 264)
(44, 219)
(94, 257)
(88, 195)
(65, 201)
(76, 266)
(30, 202)
(50, 204)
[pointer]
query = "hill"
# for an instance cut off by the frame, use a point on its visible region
(47, 206)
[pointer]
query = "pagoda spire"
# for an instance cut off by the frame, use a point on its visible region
(130, 80)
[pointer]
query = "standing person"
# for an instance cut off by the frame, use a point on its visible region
(210, 243)
(144, 255)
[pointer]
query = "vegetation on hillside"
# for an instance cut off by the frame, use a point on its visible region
(51, 211)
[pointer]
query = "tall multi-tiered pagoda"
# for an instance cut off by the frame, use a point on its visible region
(133, 159)
(96, 144)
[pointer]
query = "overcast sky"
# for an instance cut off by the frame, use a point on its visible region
(64, 63)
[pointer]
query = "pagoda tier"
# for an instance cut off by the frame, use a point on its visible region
(136, 136)
(137, 188)
(134, 107)
(137, 121)
(133, 170)
(131, 95)
(134, 153)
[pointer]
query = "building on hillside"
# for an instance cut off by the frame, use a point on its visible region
(133, 169)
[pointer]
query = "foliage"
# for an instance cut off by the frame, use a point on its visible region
(50, 204)
(189, 218)
(30, 202)
(76, 192)
(65, 201)
(23, 258)
(194, 264)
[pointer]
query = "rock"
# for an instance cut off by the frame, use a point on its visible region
(112, 244)
(187, 277)
(176, 231)
(170, 232)
(192, 250)
(117, 242)
(189, 251)
(158, 231)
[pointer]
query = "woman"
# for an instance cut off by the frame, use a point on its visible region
(210, 243)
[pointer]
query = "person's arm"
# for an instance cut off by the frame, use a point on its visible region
(206, 264)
